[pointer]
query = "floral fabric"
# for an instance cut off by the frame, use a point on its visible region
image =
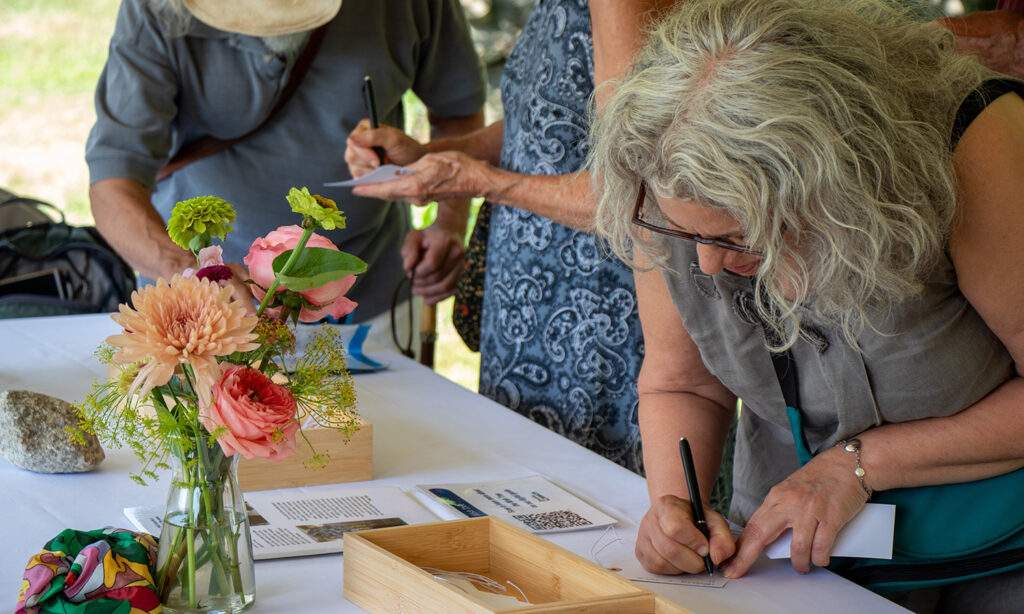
(560, 337)
(108, 571)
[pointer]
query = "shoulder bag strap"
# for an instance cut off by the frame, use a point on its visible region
(785, 371)
(209, 145)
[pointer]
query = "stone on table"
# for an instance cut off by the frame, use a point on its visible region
(34, 435)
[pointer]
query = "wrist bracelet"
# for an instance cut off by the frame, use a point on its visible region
(853, 445)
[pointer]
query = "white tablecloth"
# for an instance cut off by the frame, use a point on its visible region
(425, 430)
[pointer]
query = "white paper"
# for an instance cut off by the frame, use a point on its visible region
(386, 172)
(615, 552)
(533, 503)
(867, 536)
(285, 523)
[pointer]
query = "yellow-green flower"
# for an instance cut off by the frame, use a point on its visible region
(197, 217)
(323, 210)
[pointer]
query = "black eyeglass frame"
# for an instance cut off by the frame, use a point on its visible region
(682, 234)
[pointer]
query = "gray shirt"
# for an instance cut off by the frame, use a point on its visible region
(931, 356)
(158, 92)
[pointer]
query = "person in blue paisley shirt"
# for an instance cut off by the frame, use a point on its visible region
(560, 339)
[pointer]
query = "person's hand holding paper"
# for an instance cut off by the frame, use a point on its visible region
(434, 255)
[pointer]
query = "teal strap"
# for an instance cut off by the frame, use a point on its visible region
(796, 424)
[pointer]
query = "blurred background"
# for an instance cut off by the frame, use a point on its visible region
(52, 51)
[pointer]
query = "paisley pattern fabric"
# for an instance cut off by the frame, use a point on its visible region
(560, 337)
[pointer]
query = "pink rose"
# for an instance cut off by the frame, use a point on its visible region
(261, 258)
(259, 415)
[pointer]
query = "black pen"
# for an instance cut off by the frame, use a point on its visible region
(371, 110)
(695, 501)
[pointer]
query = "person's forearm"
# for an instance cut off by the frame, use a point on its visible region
(619, 28)
(126, 218)
(665, 417)
(982, 441)
(482, 144)
(453, 214)
(566, 199)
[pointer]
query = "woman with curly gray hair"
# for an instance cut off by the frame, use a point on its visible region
(821, 188)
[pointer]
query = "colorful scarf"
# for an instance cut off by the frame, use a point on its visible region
(107, 571)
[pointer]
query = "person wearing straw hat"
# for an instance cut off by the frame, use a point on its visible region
(180, 71)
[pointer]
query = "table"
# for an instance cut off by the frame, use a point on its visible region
(426, 429)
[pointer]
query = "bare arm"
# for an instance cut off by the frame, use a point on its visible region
(678, 397)
(619, 28)
(126, 218)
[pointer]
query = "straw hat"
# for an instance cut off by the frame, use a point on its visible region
(264, 17)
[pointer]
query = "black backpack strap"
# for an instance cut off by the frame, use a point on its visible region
(977, 100)
(17, 212)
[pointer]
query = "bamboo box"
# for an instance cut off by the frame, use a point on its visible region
(383, 572)
(351, 461)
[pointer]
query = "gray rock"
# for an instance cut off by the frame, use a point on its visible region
(33, 434)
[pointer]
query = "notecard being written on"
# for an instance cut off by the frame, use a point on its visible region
(615, 551)
(387, 172)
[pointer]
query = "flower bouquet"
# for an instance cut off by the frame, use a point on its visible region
(198, 379)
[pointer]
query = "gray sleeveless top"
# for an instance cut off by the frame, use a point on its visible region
(933, 356)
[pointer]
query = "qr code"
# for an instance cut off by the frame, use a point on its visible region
(547, 521)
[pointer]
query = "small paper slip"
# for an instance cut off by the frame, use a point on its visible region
(532, 503)
(615, 552)
(867, 536)
(284, 523)
(387, 172)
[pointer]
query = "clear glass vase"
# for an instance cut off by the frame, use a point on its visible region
(204, 559)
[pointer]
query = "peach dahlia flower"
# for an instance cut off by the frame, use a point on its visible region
(185, 321)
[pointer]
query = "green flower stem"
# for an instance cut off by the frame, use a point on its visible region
(212, 499)
(192, 481)
(306, 233)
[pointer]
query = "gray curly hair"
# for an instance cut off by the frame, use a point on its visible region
(822, 126)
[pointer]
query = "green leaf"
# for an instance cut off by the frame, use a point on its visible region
(315, 267)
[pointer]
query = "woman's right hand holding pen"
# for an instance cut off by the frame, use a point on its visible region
(670, 543)
(400, 148)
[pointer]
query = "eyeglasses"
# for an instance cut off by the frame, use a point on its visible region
(396, 299)
(682, 234)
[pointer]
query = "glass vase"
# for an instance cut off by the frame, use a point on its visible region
(204, 559)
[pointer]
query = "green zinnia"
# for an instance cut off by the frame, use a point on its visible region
(322, 210)
(196, 220)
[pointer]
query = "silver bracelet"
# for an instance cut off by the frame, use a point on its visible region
(853, 445)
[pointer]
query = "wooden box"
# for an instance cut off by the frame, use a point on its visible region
(351, 461)
(383, 572)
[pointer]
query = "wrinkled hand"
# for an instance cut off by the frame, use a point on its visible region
(816, 502)
(669, 542)
(439, 176)
(996, 37)
(436, 256)
(399, 148)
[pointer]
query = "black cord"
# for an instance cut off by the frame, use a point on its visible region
(405, 349)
